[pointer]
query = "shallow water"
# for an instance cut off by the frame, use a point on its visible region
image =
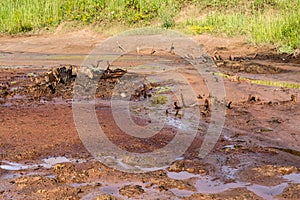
(110, 189)
(181, 175)
(51, 161)
(126, 166)
(203, 184)
(293, 178)
(229, 172)
(11, 166)
(267, 192)
(181, 193)
(230, 146)
(210, 185)
(46, 163)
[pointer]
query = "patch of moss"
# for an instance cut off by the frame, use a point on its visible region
(159, 99)
(262, 82)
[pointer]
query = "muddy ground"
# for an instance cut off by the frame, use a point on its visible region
(42, 157)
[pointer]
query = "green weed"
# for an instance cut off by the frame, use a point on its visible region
(159, 99)
(262, 21)
(262, 82)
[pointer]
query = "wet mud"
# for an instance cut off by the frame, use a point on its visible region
(256, 156)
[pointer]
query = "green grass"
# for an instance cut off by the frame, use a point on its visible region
(23, 16)
(27, 15)
(261, 21)
(159, 99)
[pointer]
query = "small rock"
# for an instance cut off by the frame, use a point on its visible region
(206, 105)
(131, 190)
(296, 53)
(105, 197)
(162, 188)
(291, 192)
(41, 191)
(294, 98)
(177, 166)
(199, 96)
(123, 95)
(252, 98)
(190, 170)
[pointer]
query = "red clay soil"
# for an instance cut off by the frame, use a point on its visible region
(256, 157)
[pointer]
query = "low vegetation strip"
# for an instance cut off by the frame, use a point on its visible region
(260, 82)
(262, 21)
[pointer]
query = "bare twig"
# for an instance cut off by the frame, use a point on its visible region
(183, 102)
(293, 98)
(172, 48)
(206, 104)
(229, 105)
(120, 46)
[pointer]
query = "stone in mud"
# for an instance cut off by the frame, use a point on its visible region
(268, 175)
(190, 170)
(58, 192)
(176, 166)
(291, 192)
(143, 91)
(296, 53)
(105, 197)
(231, 194)
(253, 98)
(294, 98)
(35, 181)
(65, 74)
(131, 190)
(273, 170)
(111, 74)
(87, 71)
(68, 173)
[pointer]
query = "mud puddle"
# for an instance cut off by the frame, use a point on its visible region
(46, 163)
(203, 184)
(45, 127)
(210, 185)
(125, 190)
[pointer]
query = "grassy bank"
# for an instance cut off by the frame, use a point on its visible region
(26, 15)
(262, 21)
